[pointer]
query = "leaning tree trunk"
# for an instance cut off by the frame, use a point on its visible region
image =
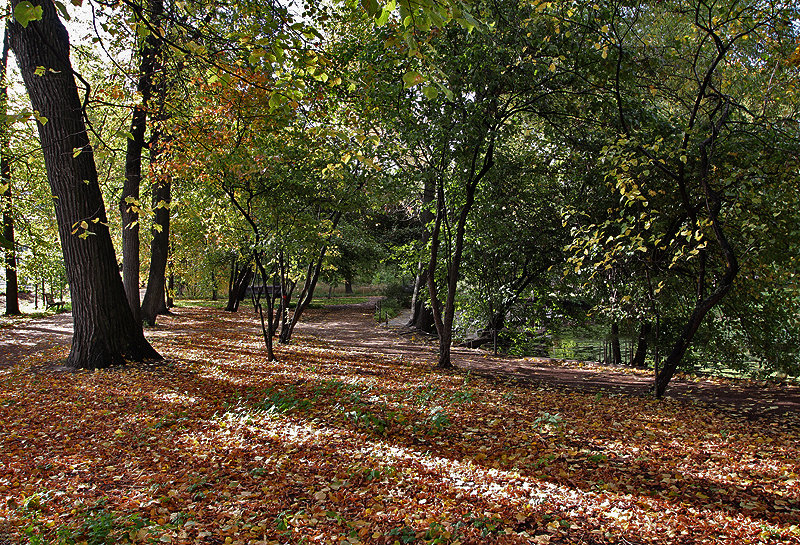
(12, 286)
(105, 332)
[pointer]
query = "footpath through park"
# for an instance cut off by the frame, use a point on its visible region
(44, 342)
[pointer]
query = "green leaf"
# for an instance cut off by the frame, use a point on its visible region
(412, 78)
(255, 56)
(372, 7)
(430, 91)
(25, 12)
(63, 10)
(40, 70)
(387, 11)
(40, 118)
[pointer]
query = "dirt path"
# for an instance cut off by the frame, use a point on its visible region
(35, 337)
(352, 327)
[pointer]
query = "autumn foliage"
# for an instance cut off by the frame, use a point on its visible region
(336, 445)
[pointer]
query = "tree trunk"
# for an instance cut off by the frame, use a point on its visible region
(422, 315)
(105, 332)
(616, 352)
(238, 287)
(348, 287)
(155, 297)
(712, 204)
(641, 345)
(268, 323)
(424, 321)
(12, 286)
(307, 293)
(444, 323)
(684, 340)
(129, 203)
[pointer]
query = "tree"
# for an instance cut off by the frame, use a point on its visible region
(105, 332)
(12, 285)
(699, 132)
(129, 203)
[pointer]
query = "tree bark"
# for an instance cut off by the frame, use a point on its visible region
(238, 288)
(129, 203)
(105, 332)
(155, 297)
(422, 315)
(641, 345)
(12, 285)
(616, 352)
(444, 315)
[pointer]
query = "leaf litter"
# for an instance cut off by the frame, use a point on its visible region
(340, 446)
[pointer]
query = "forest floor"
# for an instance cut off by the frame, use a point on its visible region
(354, 437)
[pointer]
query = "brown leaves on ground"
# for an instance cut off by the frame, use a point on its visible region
(331, 446)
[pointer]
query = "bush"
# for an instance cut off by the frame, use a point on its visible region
(397, 295)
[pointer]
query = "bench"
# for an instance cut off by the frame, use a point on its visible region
(50, 303)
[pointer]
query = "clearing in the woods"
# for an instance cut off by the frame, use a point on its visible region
(354, 437)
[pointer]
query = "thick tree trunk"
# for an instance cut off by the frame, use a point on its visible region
(12, 286)
(348, 286)
(424, 321)
(105, 332)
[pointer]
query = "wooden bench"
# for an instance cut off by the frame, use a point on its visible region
(50, 303)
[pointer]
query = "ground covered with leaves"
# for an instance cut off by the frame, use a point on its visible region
(335, 446)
